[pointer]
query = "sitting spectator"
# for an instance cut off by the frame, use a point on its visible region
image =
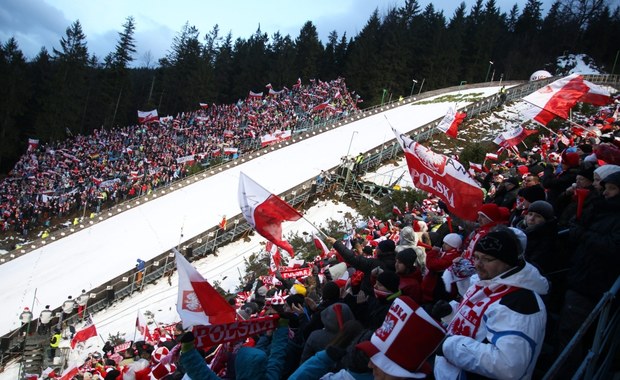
(540, 227)
(333, 317)
(409, 274)
(437, 261)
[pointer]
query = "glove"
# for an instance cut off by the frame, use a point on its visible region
(335, 353)
(441, 309)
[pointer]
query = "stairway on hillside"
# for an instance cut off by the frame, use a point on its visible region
(34, 355)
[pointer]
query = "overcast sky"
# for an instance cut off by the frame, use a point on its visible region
(38, 23)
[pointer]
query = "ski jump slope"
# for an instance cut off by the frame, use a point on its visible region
(105, 250)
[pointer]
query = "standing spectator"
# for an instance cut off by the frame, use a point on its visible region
(54, 343)
(67, 307)
(25, 317)
(81, 302)
(499, 326)
(140, 268)
(45, 318)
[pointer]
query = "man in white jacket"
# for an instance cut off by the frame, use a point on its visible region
(498, 328)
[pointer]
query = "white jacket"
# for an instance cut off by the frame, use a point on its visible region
(510, 335)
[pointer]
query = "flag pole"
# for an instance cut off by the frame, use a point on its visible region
(312, 224)
(569, 120)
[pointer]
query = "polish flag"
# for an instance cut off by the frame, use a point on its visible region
(396, 210)
(69, 373)
(320, 245)
(442, 176)
(298, 84)
(90, 331)
(557, 98)
(476, 167)
(275, 260)
(255, 94)
(449, 124)
(142, 326)
(513, 137)
(198, 303)
(204, 105)
(322, 106)
(491, 156)
(265, 212)
(147, 116)
(32, 144)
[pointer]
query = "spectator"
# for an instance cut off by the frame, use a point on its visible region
(498, 328)
(54, 343)
(540, 227)
(45, 318)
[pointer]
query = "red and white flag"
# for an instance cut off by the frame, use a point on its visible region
(558, 97)
(147, 116)
(69, 373)
(513, 137)
(476, 167)
(255, 94)
(32, 144)
(275, 260)
(198, 303)
(89, 331)
(442, 176)
(449, 124)
(320, 245)
(396, 210)
(265, 211)
(491, 156)
(142, 326)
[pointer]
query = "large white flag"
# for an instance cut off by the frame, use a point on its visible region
(147, 116)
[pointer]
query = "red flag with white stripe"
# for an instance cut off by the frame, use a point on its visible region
(442, 176)
(491, 156)
(476, 167)
(513, 137)
(265, 212)
(198, 303)
(320, 245)
(449, 124)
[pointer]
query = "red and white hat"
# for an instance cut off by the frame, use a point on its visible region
(159, 354)
(406, 339)
(160, 371)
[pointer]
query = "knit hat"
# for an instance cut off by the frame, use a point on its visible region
(453, 240)
(586, 148)
(570, 159)
(587, 173)
(406, 325)
(532, 193)
(261, 291)
(501, 244)
(390, 280)
(407, 256)
(387, 246)
(159, 353)
(521, 236)
(605, 170)
(542, 208)
(512, 180)
(491, 211)
(113, 375)
(613, 178)
(330, 291)
(298, 289)
(367, 250)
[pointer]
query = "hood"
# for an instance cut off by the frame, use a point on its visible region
(525, 277)
(407, 238)
(250, 363)
(330, 319)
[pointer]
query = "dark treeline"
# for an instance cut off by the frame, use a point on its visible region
(70, 91)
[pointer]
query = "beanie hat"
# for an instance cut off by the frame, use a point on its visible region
(521, 236)
(407, 256)
(532, 193)
(586, 148)
(490, 211)
(367, 250)
(406, 325)
(512, 180)
(613, 178)
(542, 208)
(502, 245)
(330, 291)
(390, 280)
(570, 159)
(113, 375)
(453, 240)
(504, 214)
(262, 291)
(606, 170)
(387, 246)
(298, 289)
(587, 173)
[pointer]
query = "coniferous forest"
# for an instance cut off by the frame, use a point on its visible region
(71, 91)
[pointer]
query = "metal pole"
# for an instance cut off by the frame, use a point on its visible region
(412, 87)
(383, 96)
(613, 68)
(350, 143)
(486, 78)
(421, 86)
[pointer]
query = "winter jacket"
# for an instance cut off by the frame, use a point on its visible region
(45, 317)
(541, 245)
(319, 367)
(596, 261)
(319, 339)
(510, 333)
(433, 287)
(556, 184)
(409, 239)
(385, 260)
(411, 285)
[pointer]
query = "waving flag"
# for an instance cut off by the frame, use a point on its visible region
(558, 97)
(265, 212)
(147, 116)
(204, 105)
(143, 327)
(275, 260)
(89, 331)
(69, 373)
(449, 124)
(491, 156)
(33, 144)
(320, 245)
(513, 137)
(198, 303)
(442, 176)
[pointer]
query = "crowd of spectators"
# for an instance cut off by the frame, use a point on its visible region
(421, 293)
(56, 180)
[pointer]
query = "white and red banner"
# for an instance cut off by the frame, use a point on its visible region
(255, 94)
(204, 105)
(147, 116)
(491, 156)
(209, 336)
(320, 245)
(442, 176)
(449, 124)
(323, 106)
(265, 211)
(32, 144)
(275, 137)
(69, 373)
(476, 167)
(558, 97)
(230, 150)
(296, 272)
(142, 326)
(89, 331)
(513, 137)
(198, 303)
(186, 159)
